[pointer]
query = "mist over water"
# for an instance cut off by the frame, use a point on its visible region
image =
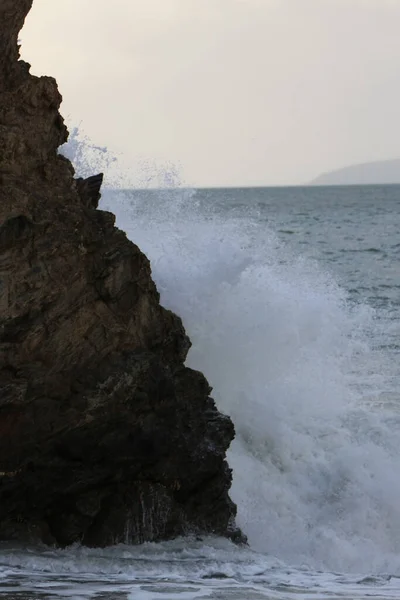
(293, 360)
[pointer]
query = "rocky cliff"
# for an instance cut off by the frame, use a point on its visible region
(105, 435)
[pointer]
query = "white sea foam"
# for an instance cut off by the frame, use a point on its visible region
(315, 466)
(181, 569)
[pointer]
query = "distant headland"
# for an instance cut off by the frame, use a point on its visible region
(380, 172)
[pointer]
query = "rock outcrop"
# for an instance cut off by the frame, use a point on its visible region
(105, 435)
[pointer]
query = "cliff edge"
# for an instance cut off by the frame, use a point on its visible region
(105, 435)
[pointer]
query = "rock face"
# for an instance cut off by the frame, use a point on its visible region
(105, 435)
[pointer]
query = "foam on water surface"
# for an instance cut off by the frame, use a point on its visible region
(179, 570)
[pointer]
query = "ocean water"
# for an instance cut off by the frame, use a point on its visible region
(291, 297)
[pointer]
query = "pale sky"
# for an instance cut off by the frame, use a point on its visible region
(232, 92)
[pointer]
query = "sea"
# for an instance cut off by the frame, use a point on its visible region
(291, 297)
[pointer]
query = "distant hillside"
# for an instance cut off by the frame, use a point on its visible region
(387, 171)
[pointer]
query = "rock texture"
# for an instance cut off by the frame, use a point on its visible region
(105, 435)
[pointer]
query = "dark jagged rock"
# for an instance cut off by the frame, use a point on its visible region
(89, 190)
(105, 435)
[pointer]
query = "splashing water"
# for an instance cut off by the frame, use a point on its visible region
(89, 158)
(315, 465)
(86, 157)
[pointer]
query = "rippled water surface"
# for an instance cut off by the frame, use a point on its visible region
(181, 569)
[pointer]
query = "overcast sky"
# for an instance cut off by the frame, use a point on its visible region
(232, 92)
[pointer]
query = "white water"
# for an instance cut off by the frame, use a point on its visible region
(316, 465)
(179, 570)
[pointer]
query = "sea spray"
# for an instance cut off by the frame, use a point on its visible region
(315, 468)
